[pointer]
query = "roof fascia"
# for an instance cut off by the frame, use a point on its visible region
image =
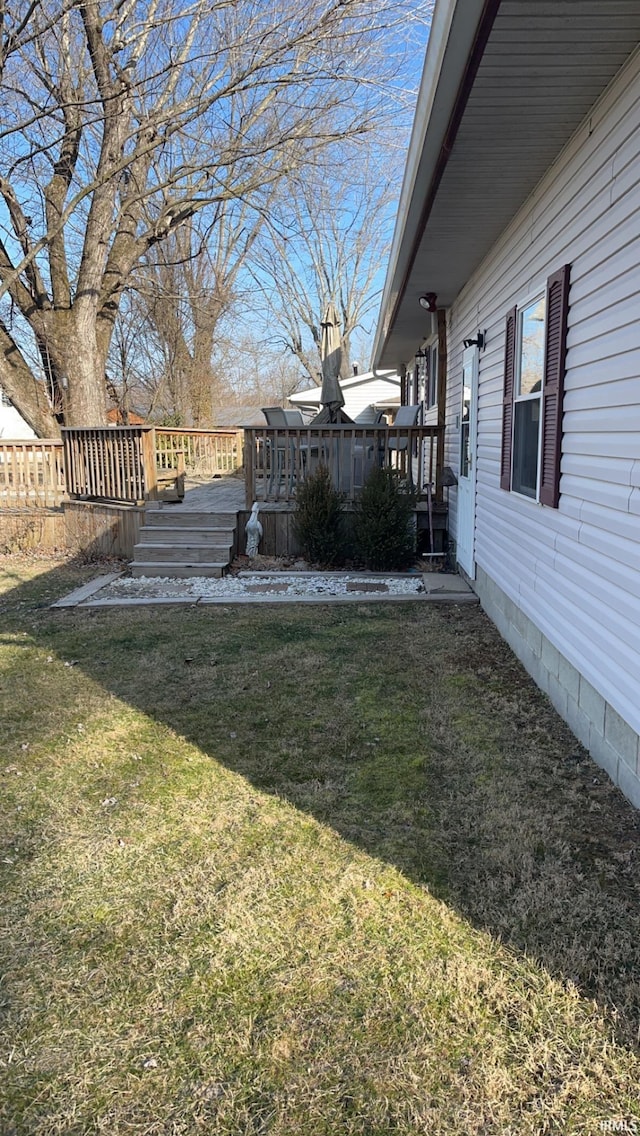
(458, 36)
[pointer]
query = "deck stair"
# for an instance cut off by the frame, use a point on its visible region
(174, 542)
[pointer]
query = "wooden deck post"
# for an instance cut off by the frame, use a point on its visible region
(149, 464)
(249, 467)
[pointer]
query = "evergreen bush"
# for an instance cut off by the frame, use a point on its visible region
(384, 523)
(319, 519)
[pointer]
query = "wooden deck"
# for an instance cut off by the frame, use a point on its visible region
(105, 480)
(214, 495)
(226, 495)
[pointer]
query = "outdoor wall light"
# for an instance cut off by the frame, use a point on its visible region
(429, 301)
(480, 341)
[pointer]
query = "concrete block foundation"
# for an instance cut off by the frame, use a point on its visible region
(612, 743)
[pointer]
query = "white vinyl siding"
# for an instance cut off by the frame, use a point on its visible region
(575, 570)
(360, 392)
(358, 396)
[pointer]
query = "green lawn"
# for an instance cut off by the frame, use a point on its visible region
(317, 870)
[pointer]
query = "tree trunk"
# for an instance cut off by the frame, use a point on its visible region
(74, 365)
(85, 401)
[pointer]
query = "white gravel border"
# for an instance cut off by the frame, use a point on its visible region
(271, 583)
(270, 587)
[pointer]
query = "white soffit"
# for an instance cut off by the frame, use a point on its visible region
(544, 65)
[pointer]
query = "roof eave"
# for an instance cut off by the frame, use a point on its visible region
(456, 28)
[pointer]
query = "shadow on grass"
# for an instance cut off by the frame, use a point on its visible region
(410, 730)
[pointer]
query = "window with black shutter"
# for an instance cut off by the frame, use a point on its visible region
(535, 348)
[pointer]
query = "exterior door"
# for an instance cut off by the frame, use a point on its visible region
(467, 463)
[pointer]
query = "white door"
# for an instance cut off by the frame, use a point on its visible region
(467, 463)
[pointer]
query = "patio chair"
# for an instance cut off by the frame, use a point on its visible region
(367, 454)
(276, 416)
(397, 446)
(282, 419)
(303, 449)
(405, 416)
(369, 417)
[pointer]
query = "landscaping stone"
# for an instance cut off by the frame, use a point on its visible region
(300, 586)
(367, 586)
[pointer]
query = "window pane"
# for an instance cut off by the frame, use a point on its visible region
(464, 432)
(526, 427)
(531, 347)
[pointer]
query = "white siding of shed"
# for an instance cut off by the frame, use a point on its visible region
(359, 392)
(574, 571)
(358, 396)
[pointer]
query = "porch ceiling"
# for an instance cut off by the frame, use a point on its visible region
(544, 64)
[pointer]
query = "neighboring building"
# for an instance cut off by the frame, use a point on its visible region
(115, 417)
(12, 424)
(520, 210)
(363, 395)
(237, 417)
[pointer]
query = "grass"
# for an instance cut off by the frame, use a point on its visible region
(328, 870)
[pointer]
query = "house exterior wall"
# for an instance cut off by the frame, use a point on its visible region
(359, 393)
(12, 424)
(564, 584)
(358, 396)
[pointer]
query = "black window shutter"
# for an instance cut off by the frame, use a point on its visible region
(553, 389)
(507, 399)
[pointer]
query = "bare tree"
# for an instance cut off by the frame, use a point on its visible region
(328, 237)
(252, 373)
(128, 118)
(185, 292)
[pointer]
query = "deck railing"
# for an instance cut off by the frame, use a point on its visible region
(207, 453)
(277, 461)
(124, 463)
(112, 463)
(31, 473)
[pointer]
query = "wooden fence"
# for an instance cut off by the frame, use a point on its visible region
(276, 461)
(31, 474)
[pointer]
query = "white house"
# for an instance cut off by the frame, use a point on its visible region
(519, 219)
(12, 424)
(363, 395)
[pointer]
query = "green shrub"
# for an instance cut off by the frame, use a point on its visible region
(384, 524)
(319, 520)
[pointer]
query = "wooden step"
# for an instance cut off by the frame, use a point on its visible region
(158, 534)
(182, 542)
(182, 553)
(171, 569)
(173, 518)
